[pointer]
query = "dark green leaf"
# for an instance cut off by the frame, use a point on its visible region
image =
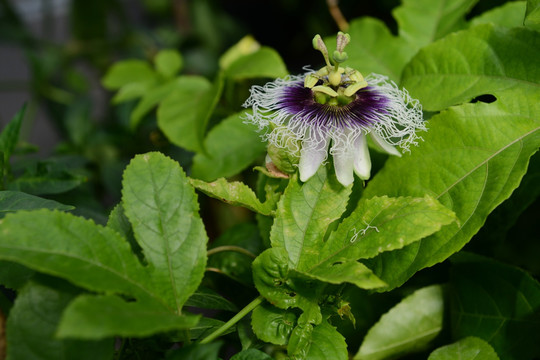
(482, 60)
(304, 213)
(163, 210)
(208, 299)
(532, 17)
(196, 352)
(408, 327)
(13, 275)
(31, 328)
(98, 317)
(472, 159)
(9, 137)
(235, 193)
(327, 343)
(497, 303)
(75, 249)
(508, 15)
(469, 348)
(231, 146)
(424, 21)
(377, 225)
(44, 185)
(273, 325)
(251, 354)
(12, 201)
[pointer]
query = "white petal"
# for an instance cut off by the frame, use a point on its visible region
(312, 155)
(362, 161)
(384, 145)
(343, 164)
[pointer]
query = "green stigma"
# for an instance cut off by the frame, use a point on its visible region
(339, 84)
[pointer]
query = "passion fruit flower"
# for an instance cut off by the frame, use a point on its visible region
(335, 107)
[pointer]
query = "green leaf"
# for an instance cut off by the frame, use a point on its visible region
(103, 316)
(497, 303)
(247, 45)
(168, 62)
(251, 354)
(408, 327)
(207, 326)
(508, 15)
(377, 225)
(9, 138)
(31, 328)
(231, 146)
(163, 210)
(373, 49)
(127, 72)
(152, 98)
(208, 299)
(482, 60)
(472, 158)
(273, 325)
(304, 213)
(12, 201)
(196, 352)
(424, 21)
(184, 114)
(469, 348)
(532, 17)
(235, 193)
(263, 63)
(327, 343)
(46, 184)
(75, 249)
(234, 251)
(13, 275)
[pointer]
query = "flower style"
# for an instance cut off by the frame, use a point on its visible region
(335, 105)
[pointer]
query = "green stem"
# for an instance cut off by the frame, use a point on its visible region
(237, 249)
(249, 307)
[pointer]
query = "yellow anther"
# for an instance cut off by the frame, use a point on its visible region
(352, 89)
(325, 90)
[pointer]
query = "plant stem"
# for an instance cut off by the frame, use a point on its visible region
(336, 13)
(237, 249)
(249, 307)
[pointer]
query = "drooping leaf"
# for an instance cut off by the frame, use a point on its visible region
(264, 62)
(532, 17)
(104, 316)
(75, 249)
(482, 60)
(472, 158)
(32, 323)
(408, 327)
(469, 348)
(424, 21)
(183, 115)
(12, 201)
(231, 146)
(235, 193)
(273, 325)
(497, 303)
(304, 213)
(168, 62)
(373, 49)
(377, 225)
(508, 15)
(327, 343)
(163, 210)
